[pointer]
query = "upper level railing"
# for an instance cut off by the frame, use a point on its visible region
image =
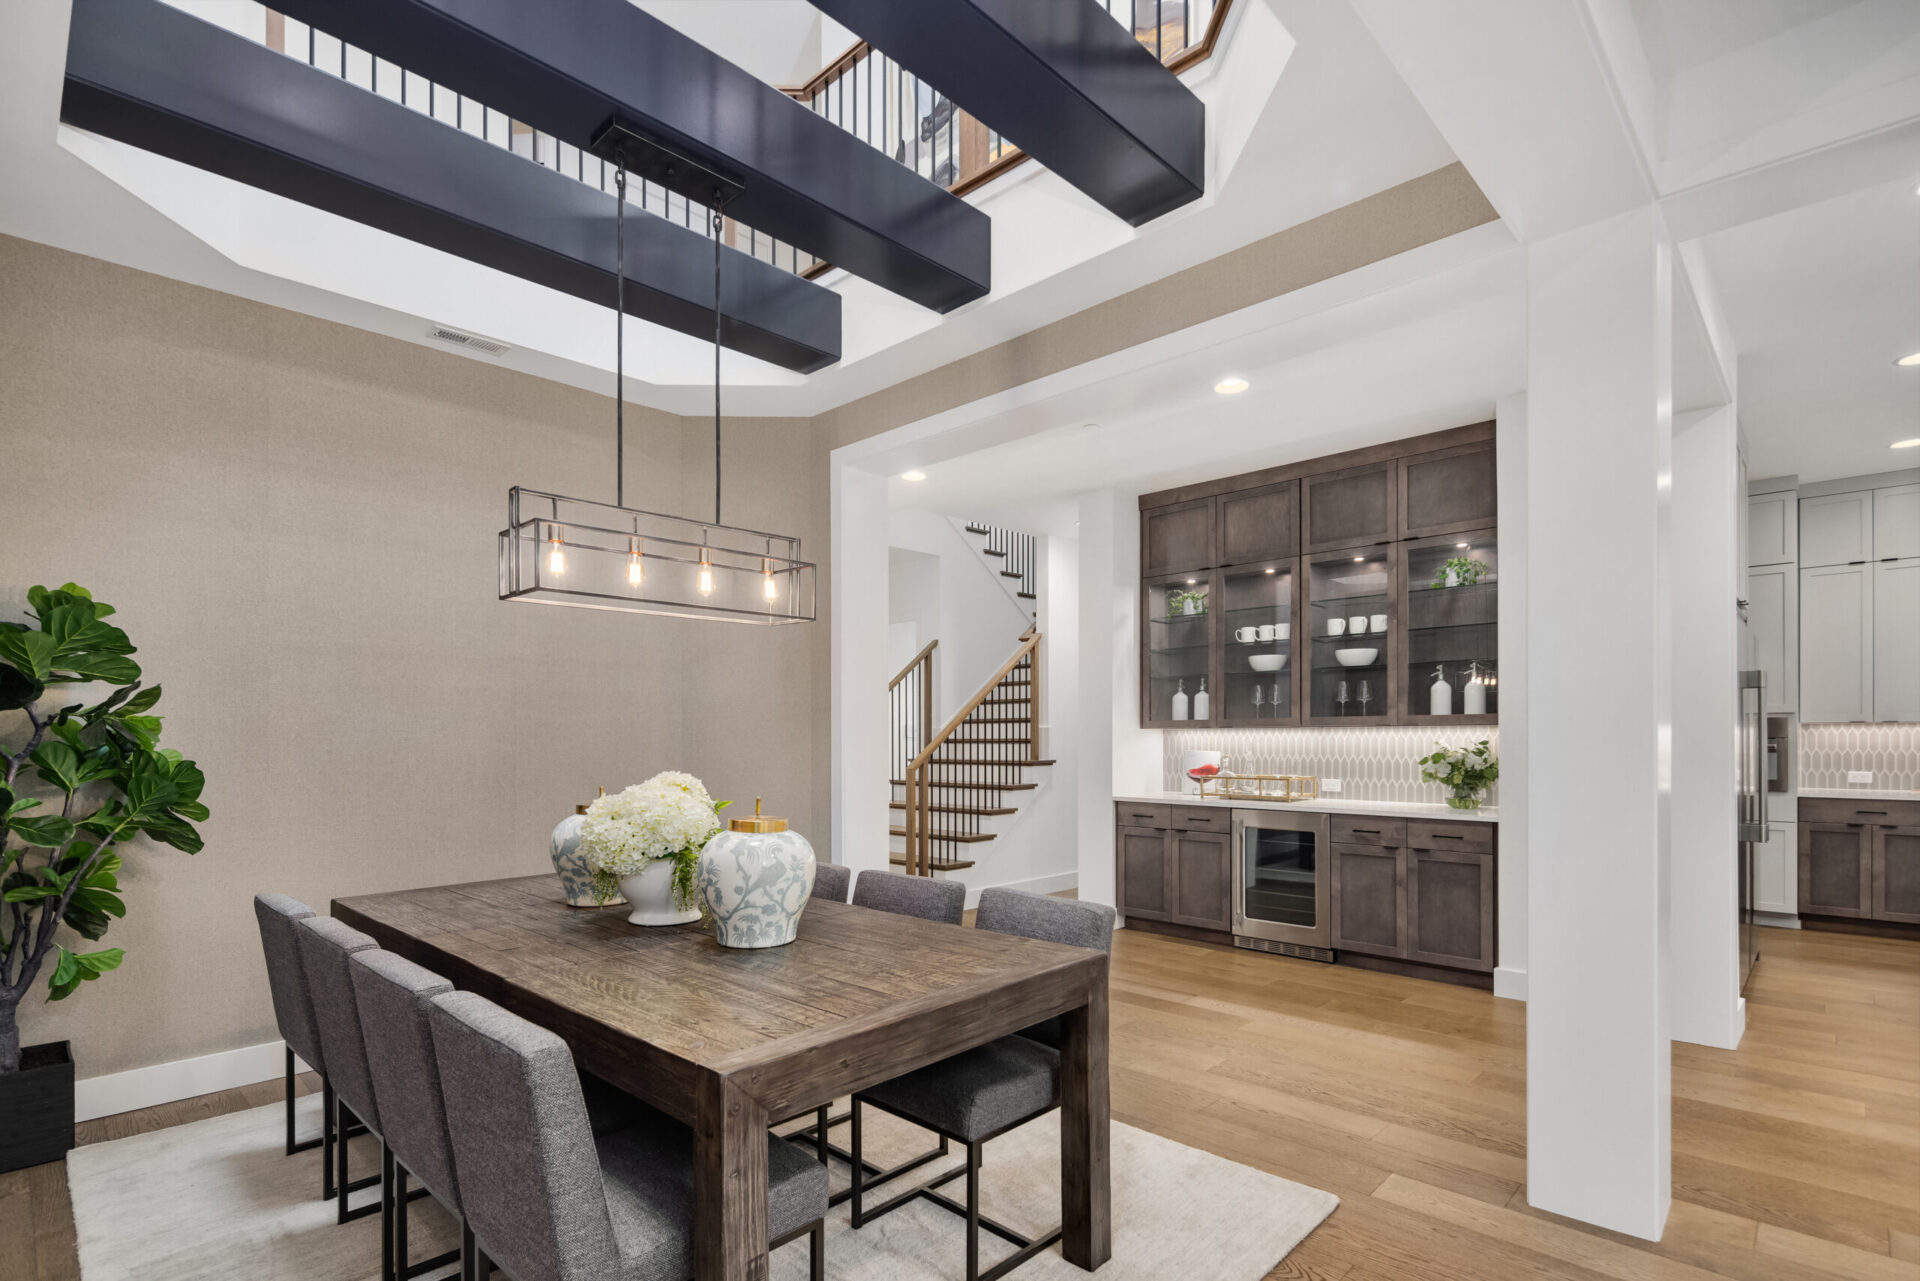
(877, 100)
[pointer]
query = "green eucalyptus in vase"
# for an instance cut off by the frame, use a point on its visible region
(81, 779)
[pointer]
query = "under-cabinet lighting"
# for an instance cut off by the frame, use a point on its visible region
(914, 476)
(1463, 546)
(1273, 571)
(1231, 386)
(1909, 360)
(1906, 444)
(1359, 560)
(1192, 581)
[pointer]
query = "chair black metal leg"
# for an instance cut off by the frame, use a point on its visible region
(389, 1214)
(973, 1212)
(819, 1129)
(817, 1250)
(327, 1105)
(344, 1182)
(302, 1145)
(403, 1268)
(859, 1169)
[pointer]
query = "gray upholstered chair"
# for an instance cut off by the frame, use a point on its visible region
(921, 896)
(393, 995)
(278, 916)
(546, 1198)
(830, 881)
(326, 947)
(982, 1093)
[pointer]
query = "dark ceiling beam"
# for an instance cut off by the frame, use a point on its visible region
(567, 67)
(156, 78)
(1060, 80)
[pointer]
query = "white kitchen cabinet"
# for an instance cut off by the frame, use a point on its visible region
(1773, 617)
(1896, 639)
(1836, 642)
(1836, 529)
(1773, 528)
(1776, 871)
(1896, 522)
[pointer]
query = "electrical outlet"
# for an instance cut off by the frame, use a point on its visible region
(1859, 776)
(1329, 784)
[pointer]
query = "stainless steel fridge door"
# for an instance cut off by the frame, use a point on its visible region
(1282, 888)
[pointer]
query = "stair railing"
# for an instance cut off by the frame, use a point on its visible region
(910, 695)
(999, 760)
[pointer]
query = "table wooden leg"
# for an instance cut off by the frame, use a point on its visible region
(730, 1183)
(1086, 1185)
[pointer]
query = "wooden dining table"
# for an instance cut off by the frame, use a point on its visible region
(732, 1041)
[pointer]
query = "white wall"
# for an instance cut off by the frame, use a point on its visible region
(1510, 416)
(1708, 577)
(978, 624)
(857, 583)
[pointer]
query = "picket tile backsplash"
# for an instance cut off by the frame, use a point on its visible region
(1372, 762)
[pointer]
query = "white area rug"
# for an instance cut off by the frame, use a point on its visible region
(219, 1200)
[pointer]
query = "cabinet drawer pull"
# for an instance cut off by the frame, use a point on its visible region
(1870, 811)
(1856, 825)
(1442, 836)
(1366, 831)
(1143, 816)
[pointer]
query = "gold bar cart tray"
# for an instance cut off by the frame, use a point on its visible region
(1260, 787)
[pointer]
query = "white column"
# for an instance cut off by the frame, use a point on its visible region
(1599, 722)
(859, 621)
(1116, 756)
(1510, 416)
(1708, 578)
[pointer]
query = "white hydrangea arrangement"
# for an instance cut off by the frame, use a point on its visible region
(670, 816)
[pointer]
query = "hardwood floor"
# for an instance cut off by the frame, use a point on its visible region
(1796, 1156)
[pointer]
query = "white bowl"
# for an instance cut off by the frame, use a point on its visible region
(1266, 662)
(1356, 657)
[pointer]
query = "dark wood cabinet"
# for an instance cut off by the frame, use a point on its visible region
(1202, 879)
(1896, 874)
(1448, 490)
(1145, 890)
(1450, 908)
(1836, 869)
(1369, 900)
(1258, 524)
(1352, 507)
(1177, 538)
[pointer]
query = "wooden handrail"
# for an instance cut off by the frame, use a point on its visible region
(1029, 642)
(914, 663)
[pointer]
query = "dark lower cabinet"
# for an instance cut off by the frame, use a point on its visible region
(1369, 900)
(1202, 879)
(1145, 890)
(1450, 909)
(1896, 874)
(1836, 869)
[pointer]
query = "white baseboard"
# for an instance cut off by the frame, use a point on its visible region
(1510, 983)
(147, 1087)
(1036, 885)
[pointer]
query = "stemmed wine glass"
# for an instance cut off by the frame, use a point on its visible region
(1366, 696)
(1256, 702)
(1340, 698)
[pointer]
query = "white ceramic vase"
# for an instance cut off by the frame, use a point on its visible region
(756, 884)
(650, 891)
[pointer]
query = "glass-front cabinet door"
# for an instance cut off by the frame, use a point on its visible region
(1177, 625)
(1258, 670)
(1353, 651)
(1451, 604)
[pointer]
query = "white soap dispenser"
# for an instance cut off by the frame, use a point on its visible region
(1475, 692)
(1180, 701)
(1440, 696)
(1201, 703)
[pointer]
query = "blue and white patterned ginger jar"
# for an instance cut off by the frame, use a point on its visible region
(756, 878)
(576, 878)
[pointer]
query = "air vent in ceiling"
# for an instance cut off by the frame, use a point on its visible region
(472, 342)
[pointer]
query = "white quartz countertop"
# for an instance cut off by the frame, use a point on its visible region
(1857, 794)
(1385, 809)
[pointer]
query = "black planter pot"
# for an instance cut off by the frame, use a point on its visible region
(37, 1102)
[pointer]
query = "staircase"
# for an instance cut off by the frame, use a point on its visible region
(1017, 553)
(946, 785)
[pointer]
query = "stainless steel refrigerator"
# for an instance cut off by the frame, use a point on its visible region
(1752, 800)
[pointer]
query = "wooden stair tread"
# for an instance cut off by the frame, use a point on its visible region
(997, 720)
(900, 860)
(976, 787)
(964, 838)
(959, 809)
(983, 760)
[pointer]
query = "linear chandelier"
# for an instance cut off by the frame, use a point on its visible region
(557, 550)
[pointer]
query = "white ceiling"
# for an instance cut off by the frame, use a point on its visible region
(1821, 301)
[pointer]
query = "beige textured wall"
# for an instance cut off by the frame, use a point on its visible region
(296, 521)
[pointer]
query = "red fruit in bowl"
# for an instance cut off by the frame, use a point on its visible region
(1203, 771)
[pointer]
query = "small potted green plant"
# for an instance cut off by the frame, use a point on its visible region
(82, 778)
(1186, 604)
(1459, 571)
(1466, 772)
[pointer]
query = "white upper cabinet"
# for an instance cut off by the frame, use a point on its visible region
(1836, 643)
(1836, 529)
(1773, 618)
(1896, 639)
(1773, 528)
(1896, 522)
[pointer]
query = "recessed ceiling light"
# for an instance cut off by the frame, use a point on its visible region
(1463, 546)
(1192, 581)
(1231, 386)
(1909, 360)
(1913, 443)
(1273, 571)
(915, 476)
(1359, 560)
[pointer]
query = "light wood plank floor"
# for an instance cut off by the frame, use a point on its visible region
(1797, 1156)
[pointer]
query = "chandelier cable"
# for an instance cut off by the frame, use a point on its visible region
(620, 327)
(718, 222)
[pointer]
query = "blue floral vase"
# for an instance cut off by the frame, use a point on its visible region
(576, 878)
(756, 878)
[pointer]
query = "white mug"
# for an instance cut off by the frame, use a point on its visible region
(1357, 625)
(1246, 635)
(1283, 631)
(1336, 627)
(1266, 631)
(1379, 622)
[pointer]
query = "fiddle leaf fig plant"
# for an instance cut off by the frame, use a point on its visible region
(81, 779)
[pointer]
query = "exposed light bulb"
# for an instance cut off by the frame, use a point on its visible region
(636, 573)
(768, 588)
(706, 574)
(556, 553)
